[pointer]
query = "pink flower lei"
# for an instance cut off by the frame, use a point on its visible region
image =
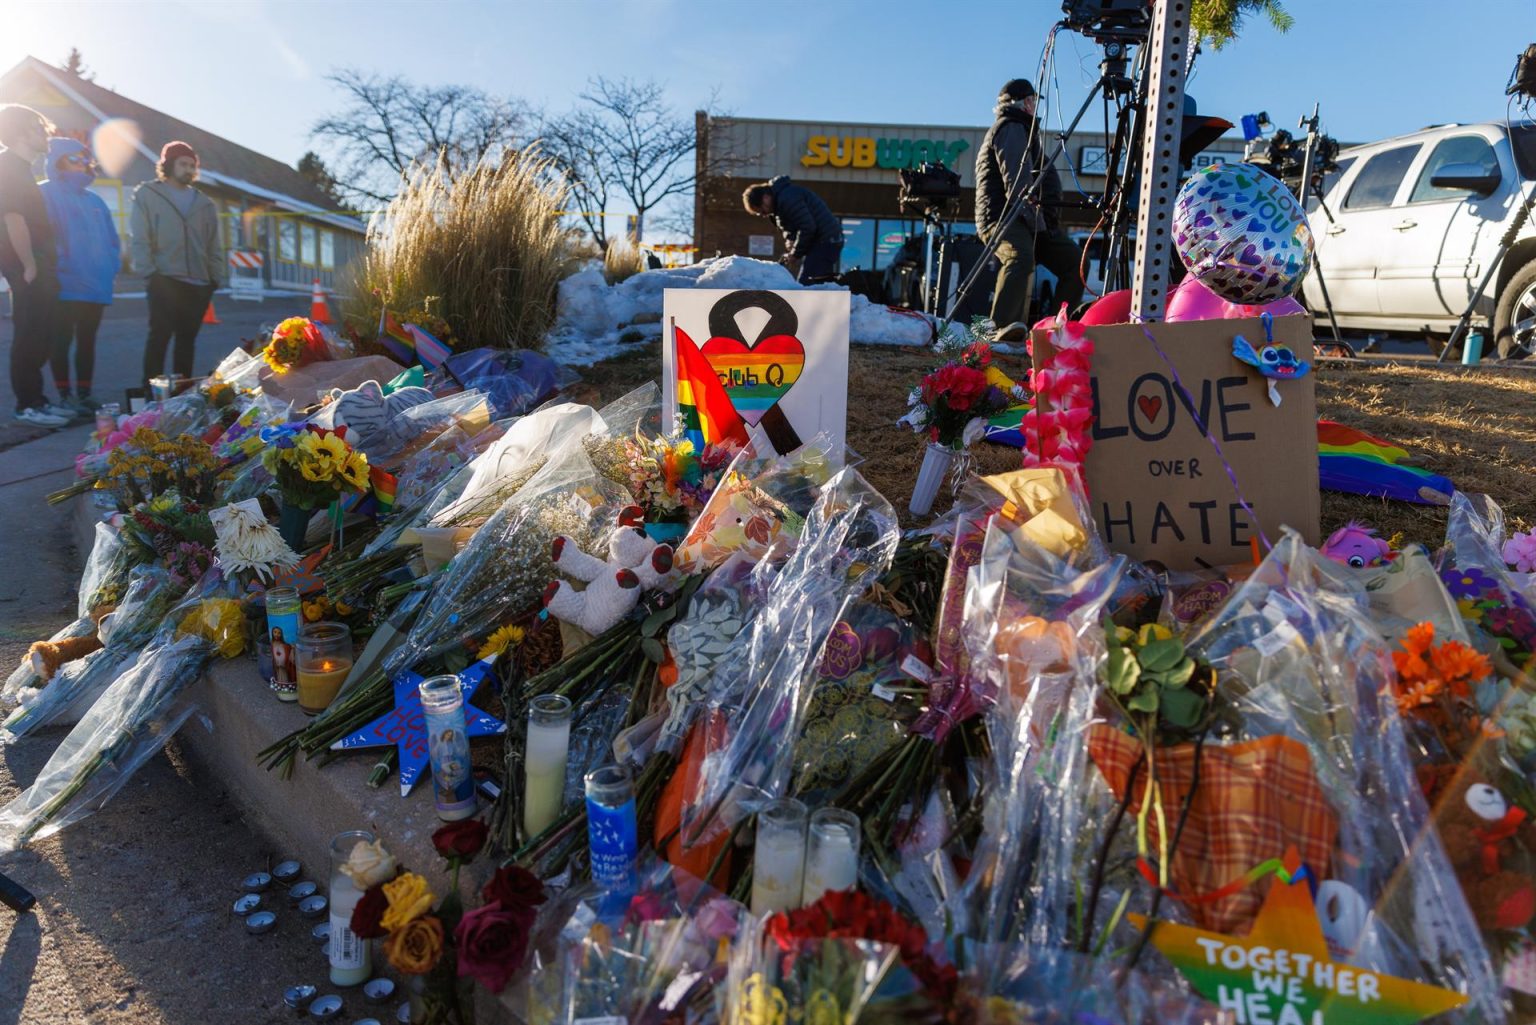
(1058, 431)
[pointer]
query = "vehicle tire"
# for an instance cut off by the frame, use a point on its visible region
(1516, 303)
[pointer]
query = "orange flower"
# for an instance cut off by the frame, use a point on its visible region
(1417, 695)
(1419, 638)
(1459, 664)
(1409, 665)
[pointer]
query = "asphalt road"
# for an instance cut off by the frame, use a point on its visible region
(120, 348)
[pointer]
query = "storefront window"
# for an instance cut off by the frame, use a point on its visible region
(889, 238)
(287, 240)
(327, 250)
(858, 244)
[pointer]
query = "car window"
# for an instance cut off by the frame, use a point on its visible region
(1378, 180)
(1458, 149)
(1523, 138)
(1330, 179)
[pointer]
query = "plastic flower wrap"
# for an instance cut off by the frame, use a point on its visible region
(151, 464)
(102, 586)
(1301, 750)
(1489, 596)
(847, 542)
(219, 621)
(1520, 552)
(951, 404)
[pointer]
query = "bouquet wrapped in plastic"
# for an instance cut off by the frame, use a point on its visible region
(133, 719)
(1489, 596)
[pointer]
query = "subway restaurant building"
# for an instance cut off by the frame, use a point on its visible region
(852, 167)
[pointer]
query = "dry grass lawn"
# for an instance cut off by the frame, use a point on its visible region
(1475, 426)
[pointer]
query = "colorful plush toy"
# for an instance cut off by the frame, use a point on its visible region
(1488, 840)
(635, 565)
(1357, 545)
(47, 656)
(370, 416)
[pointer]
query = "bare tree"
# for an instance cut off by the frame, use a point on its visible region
(622, 143)
(389, 125)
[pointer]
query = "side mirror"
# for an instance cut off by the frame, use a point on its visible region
(1470, 177)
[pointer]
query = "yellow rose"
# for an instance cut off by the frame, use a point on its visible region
(369, 864)
(1153, 632)
(415, 947)
(409, 898)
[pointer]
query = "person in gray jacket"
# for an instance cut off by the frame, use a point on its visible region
(175, 245)
(1010, 155)
(812, 233)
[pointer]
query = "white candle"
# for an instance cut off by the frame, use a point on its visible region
(778, 860)
(549, 739)
(351, 956)
(832, 855)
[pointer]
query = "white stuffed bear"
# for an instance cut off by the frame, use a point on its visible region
(635, 565)
(371, 417)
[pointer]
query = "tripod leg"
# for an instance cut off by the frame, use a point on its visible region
(15, 896)
(1333, 322)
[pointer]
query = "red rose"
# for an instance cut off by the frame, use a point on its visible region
(367, 915)
(493, 943)
(461, 840)
(516, 889)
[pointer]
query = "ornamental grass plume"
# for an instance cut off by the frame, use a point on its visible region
(487, 249)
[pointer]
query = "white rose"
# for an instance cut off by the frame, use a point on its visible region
(369, 864)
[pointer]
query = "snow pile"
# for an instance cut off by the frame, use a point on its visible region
(595, 320)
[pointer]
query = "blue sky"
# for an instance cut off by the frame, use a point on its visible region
(253, 71)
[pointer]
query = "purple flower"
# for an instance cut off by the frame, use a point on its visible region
(1467, 583)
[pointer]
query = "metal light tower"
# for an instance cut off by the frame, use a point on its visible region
(1168, 65)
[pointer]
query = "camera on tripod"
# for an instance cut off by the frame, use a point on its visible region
(1522, 81)
(928, 185)
(1109, 21)
(1284, 156)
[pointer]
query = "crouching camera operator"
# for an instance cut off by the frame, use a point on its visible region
(1011, 155)
(812, 233)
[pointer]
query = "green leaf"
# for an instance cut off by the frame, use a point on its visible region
(1160, 656)
(1144, 700)
(1178, 676)
(1182, 708)
(653, 624)
(653, 650)
(1121, 671)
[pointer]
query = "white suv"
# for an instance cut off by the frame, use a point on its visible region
(1415, 223)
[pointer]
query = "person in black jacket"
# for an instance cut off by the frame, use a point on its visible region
(1011, 154)
(812, 233)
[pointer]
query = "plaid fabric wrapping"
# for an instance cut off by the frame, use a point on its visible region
(1255, 799)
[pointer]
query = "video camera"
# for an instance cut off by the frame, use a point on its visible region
(1283, 155)
(1109, 21)
(928, 185)
(1522, 81)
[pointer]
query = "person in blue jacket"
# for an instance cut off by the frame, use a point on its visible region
(89, 258)
(812, 233)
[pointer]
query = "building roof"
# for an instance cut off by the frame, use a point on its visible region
(229, 162)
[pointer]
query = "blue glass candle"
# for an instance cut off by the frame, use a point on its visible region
(453, 782)
(611, 831)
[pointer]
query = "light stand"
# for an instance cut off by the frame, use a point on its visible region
(1310, 124)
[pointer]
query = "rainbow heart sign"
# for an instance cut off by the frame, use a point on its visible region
(756, 378)
(775, 364)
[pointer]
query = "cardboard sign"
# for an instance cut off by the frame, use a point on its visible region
(755, 365)
(1157, 487)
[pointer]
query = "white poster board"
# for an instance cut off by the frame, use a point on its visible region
(759, 245)
(773, 365)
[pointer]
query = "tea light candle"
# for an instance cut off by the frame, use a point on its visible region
(778, 860)
(549, 738)
(832, 854)
(324, 662)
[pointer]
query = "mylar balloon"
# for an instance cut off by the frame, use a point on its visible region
(1111, 308)
(1241, 232)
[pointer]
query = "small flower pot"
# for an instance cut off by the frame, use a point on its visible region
(293, 524)
(936, 463)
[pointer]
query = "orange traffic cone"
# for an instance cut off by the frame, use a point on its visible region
(318, 312)
(210, 317)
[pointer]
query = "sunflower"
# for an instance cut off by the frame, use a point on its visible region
(498, 642)
(355, 471)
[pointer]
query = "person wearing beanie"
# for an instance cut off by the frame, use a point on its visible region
(90, 256)
(1011, 154)
(175, 246)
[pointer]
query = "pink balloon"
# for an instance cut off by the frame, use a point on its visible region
(1110, 308)
(1191, 300)
(1283, 307)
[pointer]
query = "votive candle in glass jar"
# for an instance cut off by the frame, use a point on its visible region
(453, 784)
(549, 739)
(611, 832)
(831, 854)
(350, 955)
(283, 610)
(778, 860)
(324, 660)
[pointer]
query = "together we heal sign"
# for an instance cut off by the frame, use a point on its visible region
(1157, 486)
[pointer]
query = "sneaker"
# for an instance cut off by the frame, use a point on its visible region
(38, 418)
(85, 405)
(68, 413)
(1015, 332)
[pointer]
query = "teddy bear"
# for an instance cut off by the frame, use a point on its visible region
(47, 656)
(372, 418)
(635, 564)
(1487, 839)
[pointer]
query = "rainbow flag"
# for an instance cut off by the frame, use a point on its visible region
(429, 350)
(383, 483)
(709, 417)
(396, 339)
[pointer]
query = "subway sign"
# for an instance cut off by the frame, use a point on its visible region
(863, 151)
